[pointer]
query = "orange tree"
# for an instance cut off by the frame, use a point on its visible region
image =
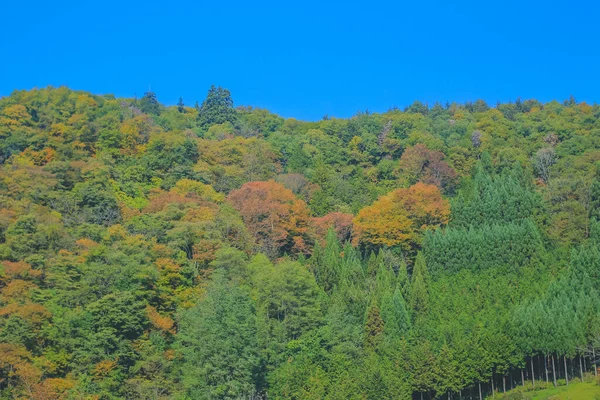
(400, 217)
(274, 216)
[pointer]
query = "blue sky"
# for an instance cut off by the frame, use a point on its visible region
(309, 58)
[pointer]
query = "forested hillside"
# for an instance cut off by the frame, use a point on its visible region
(221, 252)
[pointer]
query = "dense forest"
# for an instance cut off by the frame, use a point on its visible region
(216, 252)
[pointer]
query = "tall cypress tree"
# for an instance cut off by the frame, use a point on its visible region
(402, 280)
(374, 327)
(394, 314)
(327, 268)
(419, 287)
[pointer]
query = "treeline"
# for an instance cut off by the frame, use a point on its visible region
(218, 252)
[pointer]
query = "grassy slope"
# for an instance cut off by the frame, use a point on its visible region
(575, 391)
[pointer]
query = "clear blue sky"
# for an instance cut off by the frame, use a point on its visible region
(305, 59)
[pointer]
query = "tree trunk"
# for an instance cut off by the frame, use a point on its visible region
(553, 371)
(503, 384)
(480, 397)
(594, 355)
(580, 368)
(493, 390)
(546, 366)
(460, 394)
(522, 377)
(532, 373)
(566, 370)
(421, 395)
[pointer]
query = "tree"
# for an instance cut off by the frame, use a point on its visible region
(287, 293)
(394, 314)
(326, 262)
(149, 104)
(180, 105)
(121, 313)
(218, 341)
(476, 139)
(447, 370)
(217, 108)
(401, 217)
(419, 164)
(341, 223)
(543, 160)
(419, 287)
(374, 327)
(495, 199)
(274, 216)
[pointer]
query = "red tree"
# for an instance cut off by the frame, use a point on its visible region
(340, 222)
(275, 217)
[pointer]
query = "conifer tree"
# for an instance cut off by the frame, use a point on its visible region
(328, 263)
(217, 108)
(402, 280)
(394, 314)
(149, 104)
(374, 327)
(419, 287)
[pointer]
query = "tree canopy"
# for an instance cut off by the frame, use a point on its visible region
(216, 252)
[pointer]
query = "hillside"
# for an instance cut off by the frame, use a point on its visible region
(222, 252)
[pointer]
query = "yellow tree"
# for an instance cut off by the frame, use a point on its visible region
(400, 217)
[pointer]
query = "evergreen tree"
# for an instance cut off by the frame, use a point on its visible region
(374, 327)
(419, 287)
(326, 263)
(218, 341)
(180, 105)
(149, 104)
(394, 314)
(402, 280)
(217, 108)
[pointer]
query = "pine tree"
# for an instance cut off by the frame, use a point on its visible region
(180, 105)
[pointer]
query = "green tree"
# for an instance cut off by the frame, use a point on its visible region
(218, 341)
(394, 314)
(149, 104)
(419, 287)
(217, 108)
(374, 327)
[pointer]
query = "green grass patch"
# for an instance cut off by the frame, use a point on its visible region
(588, 390)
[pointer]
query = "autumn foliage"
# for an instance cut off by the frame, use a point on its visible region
(274, 216)
(420, 164)
(341, 223)
(400, 217)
